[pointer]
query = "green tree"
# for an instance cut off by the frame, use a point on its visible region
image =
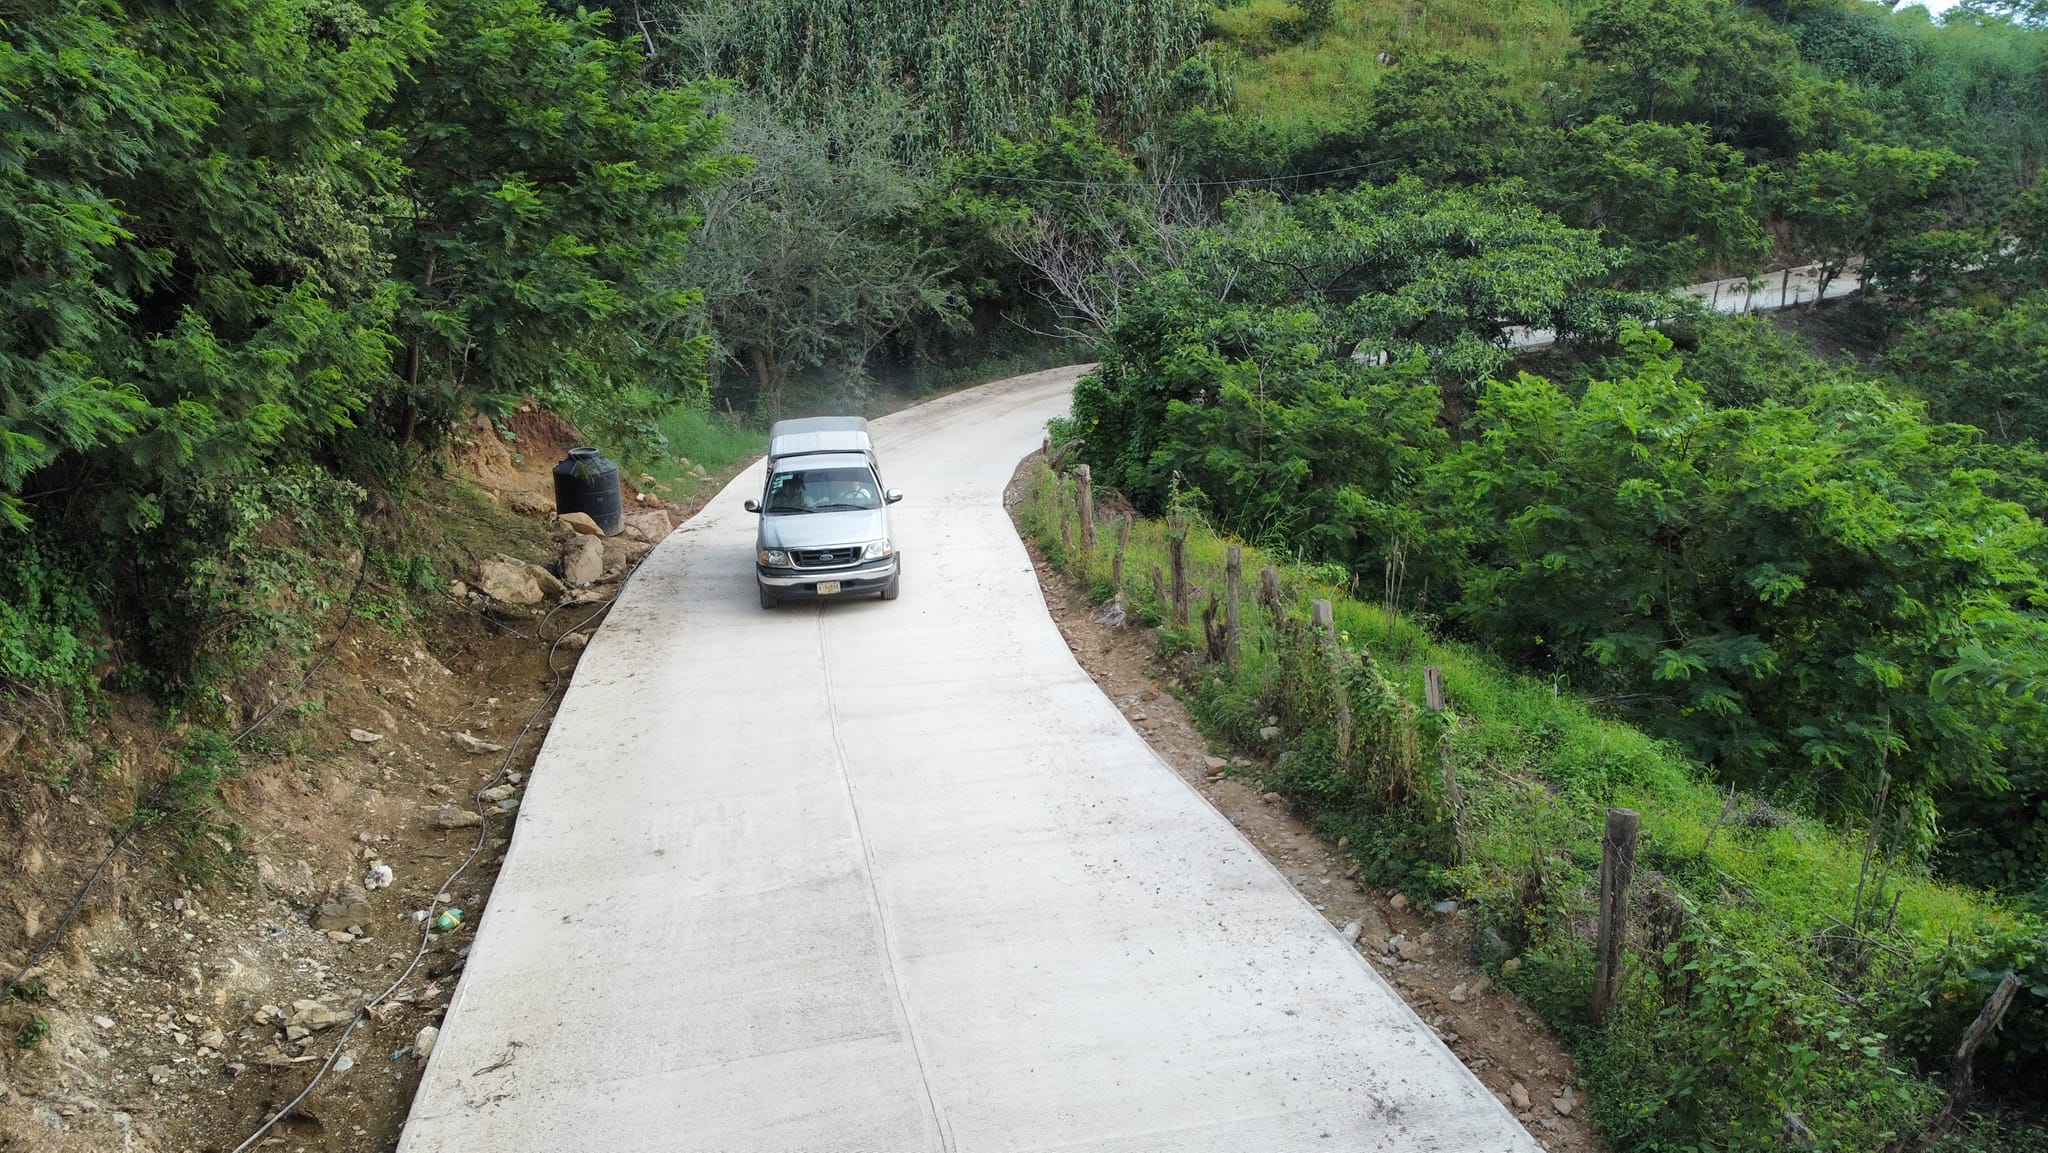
(1851, 202)
(1064, 218)
(1281, 307)
(551, 192)
(1777, 586)
(808, 257)
(1982, 366)
(1442, 117)
(1711, 62)
(1674, 201)
(250, 243)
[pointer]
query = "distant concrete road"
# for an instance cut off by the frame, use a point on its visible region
(897, 877)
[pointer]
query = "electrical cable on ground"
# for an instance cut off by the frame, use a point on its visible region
(482, 839)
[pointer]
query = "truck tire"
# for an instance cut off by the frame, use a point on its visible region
(894, 586)
(768, 600)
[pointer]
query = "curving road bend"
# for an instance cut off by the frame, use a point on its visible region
(897, 878)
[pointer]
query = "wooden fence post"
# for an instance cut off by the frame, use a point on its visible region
(1325, 622)
(1233, 587)
(1177, 557)
(1116, 562)
(1433, 697)
(1159, 591)
(1084, 503)
(1961, 1076)
(1617, 868)
(1212, 629)
(1269, 594)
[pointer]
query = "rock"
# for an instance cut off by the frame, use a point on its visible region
(573, 642)
(345, 1062)
(315, 1015)
(1372, 931)
(451, 817)
(1270, 733)
(1406, 949)
(1511, 965)
(581, 522)
(650, 526)
(158, 1074)
(379, 877)
(103, 1022)
(582, 560)
(1519, 1094)
(508, 581)
(1457, 993)
(475, 745)
(621, 554)
(1445, 906)
(1112, 617)
(1399, 902)
(531, 503)
(1215, 764)
(296, 1032)
(498, 792)
(267, 1015)
(340, 936)
(1350, 931)
(423, 1042)
(1272, 798)
(1565, 1101)
(550, 584)
(349, 905)
(293, 879)
(364, 736)
(1343, 844)
(213, 1039)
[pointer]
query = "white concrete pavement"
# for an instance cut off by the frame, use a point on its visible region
(896, 877)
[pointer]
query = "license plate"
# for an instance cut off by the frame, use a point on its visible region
(827, 588)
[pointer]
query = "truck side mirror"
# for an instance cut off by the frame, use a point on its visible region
(894, 495)
(753, 505)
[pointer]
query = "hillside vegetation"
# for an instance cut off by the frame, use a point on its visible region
(265, 256)
(1787, 979)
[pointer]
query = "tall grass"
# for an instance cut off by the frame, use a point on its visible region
(1774, 973)
(1328, 75)
(974, 70)
(698, 436)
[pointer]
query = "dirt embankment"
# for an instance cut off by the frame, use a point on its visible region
(1426, 955)
(179, 1018)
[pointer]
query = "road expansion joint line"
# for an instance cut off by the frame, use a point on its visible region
(875, 899)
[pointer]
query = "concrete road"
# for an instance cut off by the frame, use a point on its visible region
(897, 877)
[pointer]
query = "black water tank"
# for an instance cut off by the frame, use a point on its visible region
(588, 483)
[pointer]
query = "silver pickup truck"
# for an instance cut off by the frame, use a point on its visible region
(824, 515)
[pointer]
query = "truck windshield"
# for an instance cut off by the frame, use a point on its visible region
(822, 490)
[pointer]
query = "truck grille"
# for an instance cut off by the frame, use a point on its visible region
(825, 557)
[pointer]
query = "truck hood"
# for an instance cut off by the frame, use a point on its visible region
(823, 529)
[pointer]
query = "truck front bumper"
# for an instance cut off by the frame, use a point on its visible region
(802, 584)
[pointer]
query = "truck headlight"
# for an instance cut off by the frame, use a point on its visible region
(775, 557)
(876, 550)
